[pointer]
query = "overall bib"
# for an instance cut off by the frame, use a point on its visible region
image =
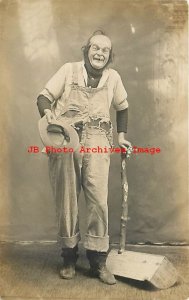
(71, 171)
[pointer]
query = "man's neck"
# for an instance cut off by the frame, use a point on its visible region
(92, 72)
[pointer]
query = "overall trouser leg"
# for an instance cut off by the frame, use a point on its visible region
(95, 171)
(65, 177)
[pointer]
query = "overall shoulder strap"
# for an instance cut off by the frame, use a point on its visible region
(74, 73)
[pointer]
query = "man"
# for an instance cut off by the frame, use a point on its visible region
(81, 94)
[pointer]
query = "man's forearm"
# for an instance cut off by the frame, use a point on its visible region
(43, 103)
(122, 120)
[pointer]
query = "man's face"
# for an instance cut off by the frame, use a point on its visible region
(99, 51)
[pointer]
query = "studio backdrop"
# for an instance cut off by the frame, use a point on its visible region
(150, 43)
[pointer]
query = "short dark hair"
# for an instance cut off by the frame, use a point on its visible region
(86, 47)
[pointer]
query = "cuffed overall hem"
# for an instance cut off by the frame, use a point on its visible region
(96, 243)
(69, 242)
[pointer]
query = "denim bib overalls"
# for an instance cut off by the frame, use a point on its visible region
(69, 172)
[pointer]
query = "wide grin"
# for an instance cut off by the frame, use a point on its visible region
(101, 58)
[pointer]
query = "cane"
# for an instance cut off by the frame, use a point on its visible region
(124, 187)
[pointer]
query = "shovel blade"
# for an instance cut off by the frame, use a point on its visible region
(156, 269)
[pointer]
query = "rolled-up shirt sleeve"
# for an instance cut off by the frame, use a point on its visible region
(119, 95)
(55, 86)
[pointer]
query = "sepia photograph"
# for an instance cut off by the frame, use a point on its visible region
(94, 150)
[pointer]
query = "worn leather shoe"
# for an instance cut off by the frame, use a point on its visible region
(97, 261)
(68, 270)
(70, 256)
(105, 276)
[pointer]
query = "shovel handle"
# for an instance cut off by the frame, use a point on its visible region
(124, 215)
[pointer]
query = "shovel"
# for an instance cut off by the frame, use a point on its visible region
(156, 269)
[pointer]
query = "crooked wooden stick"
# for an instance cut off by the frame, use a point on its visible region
(124, 215)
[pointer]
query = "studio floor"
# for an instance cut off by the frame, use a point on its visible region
(30, 271)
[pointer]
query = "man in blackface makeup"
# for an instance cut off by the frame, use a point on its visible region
(80, 94)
